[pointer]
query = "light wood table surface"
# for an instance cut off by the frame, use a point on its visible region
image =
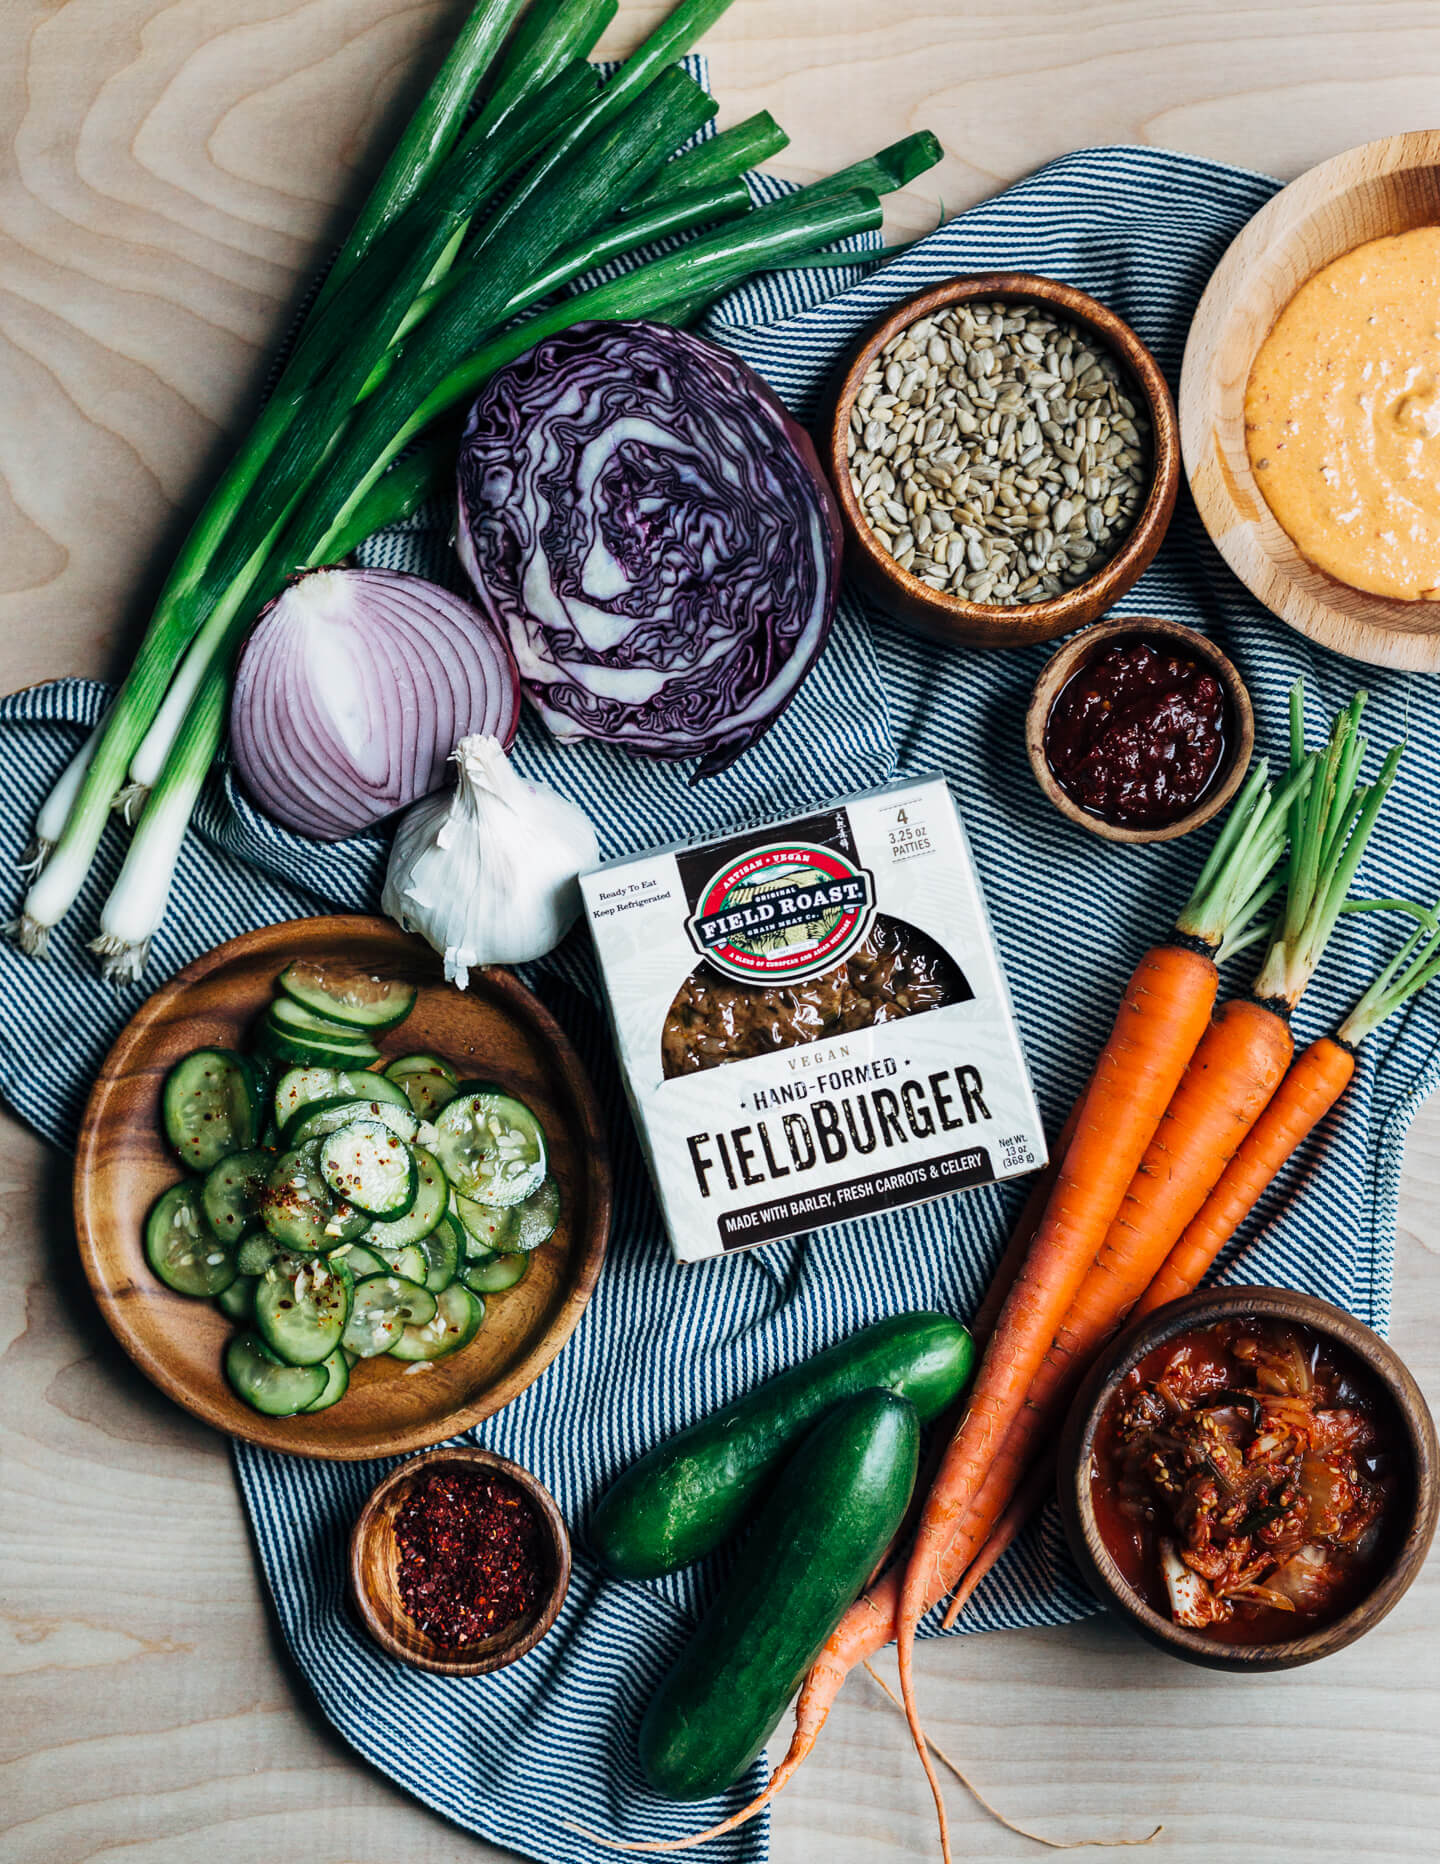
(171, 169)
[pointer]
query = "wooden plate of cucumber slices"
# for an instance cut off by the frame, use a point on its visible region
(332, 1204)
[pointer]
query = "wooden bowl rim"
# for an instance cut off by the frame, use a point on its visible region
(1363, 636)
(1063, 663)
(509, 1645)
(1205, 1308)
(1039, 621)
(590, 1246)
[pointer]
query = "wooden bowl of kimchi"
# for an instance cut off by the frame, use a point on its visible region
(1249, 1477)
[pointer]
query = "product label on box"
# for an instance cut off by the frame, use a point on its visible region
(812, 1022)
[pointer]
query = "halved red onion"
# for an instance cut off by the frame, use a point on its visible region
(352, 691)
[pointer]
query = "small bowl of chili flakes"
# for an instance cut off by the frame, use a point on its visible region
(459, 1561)
(1139, 729)
(1249, 1477)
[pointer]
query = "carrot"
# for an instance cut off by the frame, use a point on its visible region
(1230, 1078)
(1160, 1022)
(1028, 1500)
(1306, 1095)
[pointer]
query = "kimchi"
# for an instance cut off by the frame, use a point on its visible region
(1244, 1478)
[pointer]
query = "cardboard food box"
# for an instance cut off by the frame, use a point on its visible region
(812, 1021)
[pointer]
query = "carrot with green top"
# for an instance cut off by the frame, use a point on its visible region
(1314, 1084)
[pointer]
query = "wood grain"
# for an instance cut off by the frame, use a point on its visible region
(950, 619)
(496, 1030)
(171, 168)
(1386, 187)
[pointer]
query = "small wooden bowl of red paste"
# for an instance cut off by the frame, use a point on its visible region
(459, 1562)
(1139, 730)
(1249, 1476)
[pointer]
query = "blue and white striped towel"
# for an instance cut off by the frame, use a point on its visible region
(510, 1756)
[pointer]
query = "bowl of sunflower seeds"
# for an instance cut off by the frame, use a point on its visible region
(1006, 456)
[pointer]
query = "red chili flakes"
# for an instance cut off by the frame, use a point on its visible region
(470, 1554)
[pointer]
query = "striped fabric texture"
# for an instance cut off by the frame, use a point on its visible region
(517, 1756)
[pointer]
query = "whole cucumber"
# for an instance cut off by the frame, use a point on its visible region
(693, 1491)
(841, 1496)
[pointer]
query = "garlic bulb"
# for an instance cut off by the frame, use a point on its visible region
(487, 873)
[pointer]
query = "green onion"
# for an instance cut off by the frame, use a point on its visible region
(465, 229)
(198, 579)
(137, 902)
(428, 137)
(550, 34)
(725, 157)
(678, 214)
(890, 168)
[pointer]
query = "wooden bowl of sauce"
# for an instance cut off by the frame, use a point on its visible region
(1139, 729)
(1370, 420)
(1249, 1477)
(953, 618)
(459, 1561)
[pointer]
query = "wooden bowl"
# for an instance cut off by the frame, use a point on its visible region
(1067, 660)
(373, 1575)
(497, 1029)
(1203, 1310)
(1381, 188)
(949, 618)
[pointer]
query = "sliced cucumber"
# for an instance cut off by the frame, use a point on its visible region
(294, 1019)
(254, 1254)
(421, 1064)
(486, 1229)
(307, 1049)
(442, 1250)
(381, 1308)
(432, 1199)
(457, 1319)
(231, 1193)
(298, 1206)
(490, 1144)
(409, 1263)
(324, 1116)
(494, 1274)
(301, 1307)
(181, 1247)
(300, 1087)
(211, 1107)
(428, 1092)
(360, 1259)
(237, 1302)
(337, 1380)
(372, 1168)
(536, 1218)
(373, 1003)
(266, 1383)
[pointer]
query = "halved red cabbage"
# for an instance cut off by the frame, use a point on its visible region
(652, 530)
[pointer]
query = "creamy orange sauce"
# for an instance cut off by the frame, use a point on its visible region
(1342, 417)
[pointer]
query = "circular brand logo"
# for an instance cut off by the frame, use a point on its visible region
(782, 913)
